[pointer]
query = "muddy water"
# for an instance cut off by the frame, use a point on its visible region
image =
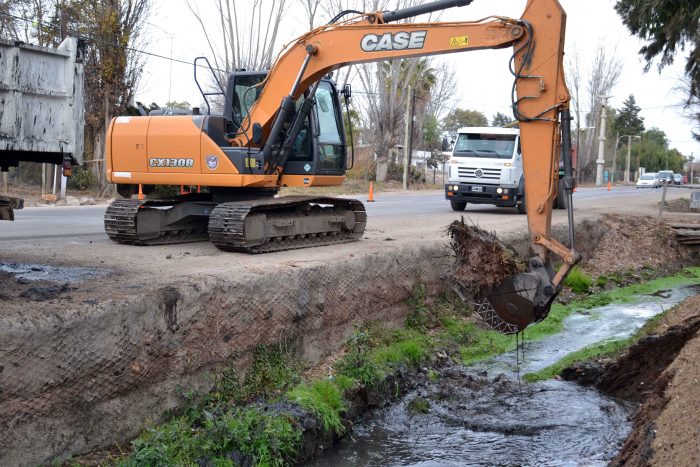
(483, 416)
(44, 272)
(586, 328)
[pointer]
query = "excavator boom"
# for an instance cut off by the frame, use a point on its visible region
(259, 153)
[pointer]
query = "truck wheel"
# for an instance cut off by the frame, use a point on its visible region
(458, 205)
(522, 208)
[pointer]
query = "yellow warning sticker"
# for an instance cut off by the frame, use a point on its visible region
(459, 41)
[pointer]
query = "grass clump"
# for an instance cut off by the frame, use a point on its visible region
(578, 281)
(266, 439)
(601, 349)
(485, 344)
(419, 405)
(374, 352)
(323, 399)
(217, 424)
(274, 369)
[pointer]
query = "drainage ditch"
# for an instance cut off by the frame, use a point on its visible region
(484, 415)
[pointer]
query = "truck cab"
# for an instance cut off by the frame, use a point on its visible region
(486, 167)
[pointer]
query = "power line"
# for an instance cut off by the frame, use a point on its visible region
(111, 44)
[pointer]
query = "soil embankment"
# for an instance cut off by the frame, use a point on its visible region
(661, 371)
(72, 367)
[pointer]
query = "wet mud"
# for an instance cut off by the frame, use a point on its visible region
(42, 282)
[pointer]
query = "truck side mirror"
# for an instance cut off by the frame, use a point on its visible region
(347, 93)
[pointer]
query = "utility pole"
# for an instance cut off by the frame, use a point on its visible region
(614, 156)
(692, 166)
(627, 162)
(413, 121)
(405, 140)
(601, 144)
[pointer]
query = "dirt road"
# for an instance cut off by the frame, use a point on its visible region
(64, 236)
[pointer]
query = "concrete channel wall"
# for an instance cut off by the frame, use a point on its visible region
(93, 375)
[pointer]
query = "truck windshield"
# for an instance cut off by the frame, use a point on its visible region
(485, 145)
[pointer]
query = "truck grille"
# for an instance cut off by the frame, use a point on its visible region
(486, 174)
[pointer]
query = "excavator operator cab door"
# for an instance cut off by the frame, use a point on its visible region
(320, 147)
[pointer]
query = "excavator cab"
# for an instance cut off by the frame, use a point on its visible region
(319, 147)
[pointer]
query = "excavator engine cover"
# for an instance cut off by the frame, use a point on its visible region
(519, 300)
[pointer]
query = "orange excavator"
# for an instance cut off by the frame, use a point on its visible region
(284, 128)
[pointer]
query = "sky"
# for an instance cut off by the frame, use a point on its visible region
(484, 81)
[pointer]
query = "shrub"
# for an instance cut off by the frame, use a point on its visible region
(323, 399)
(578, 281)
(82, 178)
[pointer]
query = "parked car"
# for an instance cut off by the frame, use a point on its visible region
(666, 176)
(649, 180)
(678, 179)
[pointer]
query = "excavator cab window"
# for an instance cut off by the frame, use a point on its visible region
(301, 150)
(244, 90)
(331, 147)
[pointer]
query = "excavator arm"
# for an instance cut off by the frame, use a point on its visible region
(540, 102)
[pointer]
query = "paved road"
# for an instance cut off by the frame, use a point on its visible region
(81, 221)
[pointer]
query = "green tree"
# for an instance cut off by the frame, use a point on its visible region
(654, 153)
(501, 119)
(432, 139)
(627, 119)
(666, 25)
(458, 118)
(183, 105)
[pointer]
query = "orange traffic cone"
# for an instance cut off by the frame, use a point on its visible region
(370, 198)
(140, 191)
(608, 185)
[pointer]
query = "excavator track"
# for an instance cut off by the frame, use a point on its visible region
(121, 224)
(286, 223)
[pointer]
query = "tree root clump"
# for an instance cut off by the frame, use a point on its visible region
(482, 261)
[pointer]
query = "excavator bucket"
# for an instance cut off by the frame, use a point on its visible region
(518, 300)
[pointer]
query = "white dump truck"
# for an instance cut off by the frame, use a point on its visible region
(486, 167)
(41, 108)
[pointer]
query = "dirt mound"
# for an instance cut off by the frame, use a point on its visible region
(661, 371)
(630, 242)
(679, 205)
(482, 261)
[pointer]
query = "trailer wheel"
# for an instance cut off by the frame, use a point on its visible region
(458, 205)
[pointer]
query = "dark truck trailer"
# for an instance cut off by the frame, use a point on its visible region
(41, 107)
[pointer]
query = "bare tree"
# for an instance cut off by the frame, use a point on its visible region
(112, 67)
(601, 79)
(247, 33)
(574, 77)
(443, 91)
(384, 100)
(311, 9)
